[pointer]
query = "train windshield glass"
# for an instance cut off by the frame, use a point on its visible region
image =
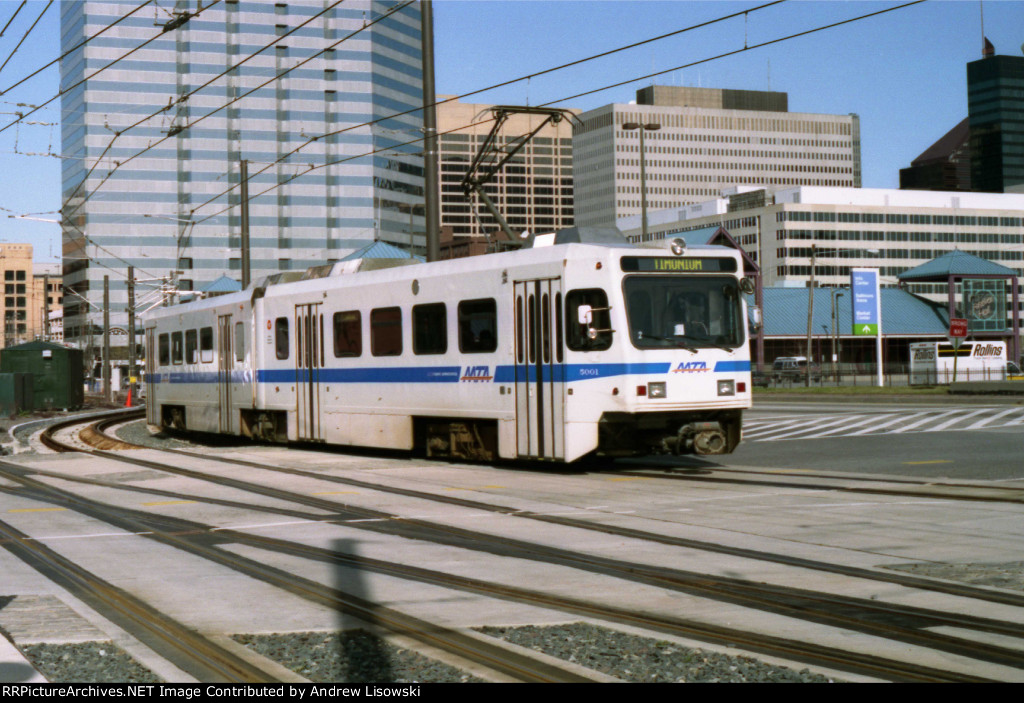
(684, 312)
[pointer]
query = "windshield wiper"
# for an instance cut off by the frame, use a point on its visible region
(675, 339)
(679, 340)
(710, 341)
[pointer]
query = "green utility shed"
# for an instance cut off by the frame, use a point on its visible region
(57, 375)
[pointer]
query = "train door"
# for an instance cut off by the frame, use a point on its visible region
(309, 347)
(225, 366)
(152, 412)
(540, 380)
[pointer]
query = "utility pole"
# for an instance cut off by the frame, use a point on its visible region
(245, 224)
(131, 332)
(810, 316)
(46, 307)
(433, 218)
(107, 397)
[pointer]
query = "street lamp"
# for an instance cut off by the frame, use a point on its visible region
(835, 339)
(648, 127)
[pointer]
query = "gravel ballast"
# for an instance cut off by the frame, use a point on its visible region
(644, 660)
(351, 657)
(87, 662)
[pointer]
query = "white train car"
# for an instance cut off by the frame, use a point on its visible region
(547, 353)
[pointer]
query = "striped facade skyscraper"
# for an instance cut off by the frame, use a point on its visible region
(153, 143)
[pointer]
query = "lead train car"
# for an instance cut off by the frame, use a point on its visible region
(546, 353)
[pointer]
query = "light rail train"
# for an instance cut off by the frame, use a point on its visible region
(546, 353)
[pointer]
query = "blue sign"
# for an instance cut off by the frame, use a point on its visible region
(866, 306)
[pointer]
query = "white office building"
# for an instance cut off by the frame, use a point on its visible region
(893, 230)
(153, 143)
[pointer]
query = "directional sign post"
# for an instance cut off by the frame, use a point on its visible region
(867, 309)
(957, 332)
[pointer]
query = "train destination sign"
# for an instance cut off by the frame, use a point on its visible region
(678, 264)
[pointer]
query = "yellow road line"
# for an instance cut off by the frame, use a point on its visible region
(931, 461)
(34, 510)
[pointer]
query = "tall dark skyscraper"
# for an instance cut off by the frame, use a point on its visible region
(995, 106)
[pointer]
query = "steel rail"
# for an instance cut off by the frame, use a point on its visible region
(474, 648)
(184, 533)
(178, 644)
(849, 613)
(925, 489)
(908, 581)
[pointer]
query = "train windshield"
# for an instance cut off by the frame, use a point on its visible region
(684, 312)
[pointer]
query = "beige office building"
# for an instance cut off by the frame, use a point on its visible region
(26, 294)
(706, 140)
(533, 192)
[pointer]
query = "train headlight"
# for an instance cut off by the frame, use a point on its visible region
(656, 389)
(726, 387)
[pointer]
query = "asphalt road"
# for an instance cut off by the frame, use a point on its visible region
(945, 440)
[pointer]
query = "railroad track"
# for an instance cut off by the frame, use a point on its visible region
(808, 480)
(832, 610)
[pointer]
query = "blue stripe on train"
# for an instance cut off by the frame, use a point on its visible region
(440, 374)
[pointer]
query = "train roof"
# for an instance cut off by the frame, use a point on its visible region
(393, 270)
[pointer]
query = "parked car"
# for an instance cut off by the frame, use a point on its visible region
(792, 368)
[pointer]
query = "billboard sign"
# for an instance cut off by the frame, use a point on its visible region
(985, 304)
(866, 302)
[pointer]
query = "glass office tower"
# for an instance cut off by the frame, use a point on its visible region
(159, 112)
(995, 108)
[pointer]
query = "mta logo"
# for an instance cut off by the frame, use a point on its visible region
(690, 366)
(477, 373)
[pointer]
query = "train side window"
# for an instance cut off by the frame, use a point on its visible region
(348, 333)
(386, 332)
(478, 326)
(577, 335)
(281, 337)
(177, 349)
(164, 344)
(558, 327)
(206, 344)
(520, 326)
(429, 329)
(239, 341)
(191, 347)
(545, 328)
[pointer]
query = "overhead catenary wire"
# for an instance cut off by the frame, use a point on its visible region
(560, 100)
(512, 81)
(181, 99)
(76, 47)
(607, 87)
(12, 17)
(182, 128)
(131, 51)
(27, 32)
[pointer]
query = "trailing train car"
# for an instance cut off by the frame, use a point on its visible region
(547, 353)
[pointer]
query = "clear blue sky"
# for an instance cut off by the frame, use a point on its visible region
(904, 72)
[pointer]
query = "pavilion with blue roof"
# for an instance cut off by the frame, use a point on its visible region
(983, 310)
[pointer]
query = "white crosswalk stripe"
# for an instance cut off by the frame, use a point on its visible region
(767, 429)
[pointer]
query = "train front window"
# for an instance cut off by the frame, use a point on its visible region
(683, 311)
